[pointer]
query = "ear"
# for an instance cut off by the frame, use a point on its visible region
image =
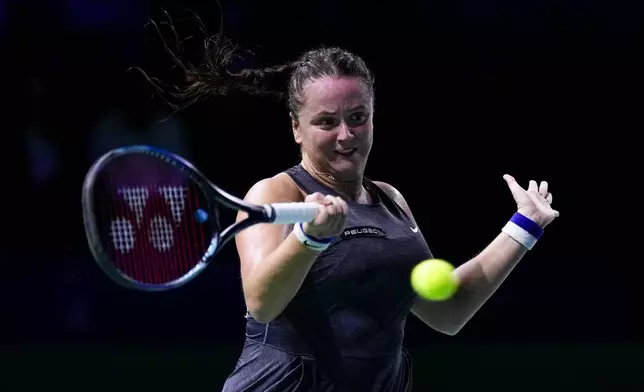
(295, 126)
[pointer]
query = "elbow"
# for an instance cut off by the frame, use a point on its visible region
(444, 328)
(261, 317)
(454, 326)
(260, 312)
(451, 331)
(451, 328)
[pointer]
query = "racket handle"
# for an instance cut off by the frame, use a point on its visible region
(288, 213)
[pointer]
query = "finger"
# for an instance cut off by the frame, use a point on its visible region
(342, 216)
(556, 213)
(328, 199)
(549, 198)
(333, 209)
(314, 197)
(331, 205)
(514, 186)
(533, 186)
(322, 216)
(543, 188)
(344, 207)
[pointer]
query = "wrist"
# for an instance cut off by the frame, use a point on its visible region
(535, 217)
(524, 230)
(310, 241)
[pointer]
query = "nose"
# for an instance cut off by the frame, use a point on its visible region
(344, 131)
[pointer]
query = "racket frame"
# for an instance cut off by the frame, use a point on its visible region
(213, 194)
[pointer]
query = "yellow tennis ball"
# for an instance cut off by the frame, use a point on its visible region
(434, 280)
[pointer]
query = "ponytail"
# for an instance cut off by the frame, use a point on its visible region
(211, 77)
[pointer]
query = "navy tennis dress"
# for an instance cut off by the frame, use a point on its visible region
(343, 330)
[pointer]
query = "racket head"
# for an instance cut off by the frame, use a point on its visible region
(150, 218)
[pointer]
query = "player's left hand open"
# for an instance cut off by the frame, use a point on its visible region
(535, 202)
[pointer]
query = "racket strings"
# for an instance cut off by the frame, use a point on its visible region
(153, 235)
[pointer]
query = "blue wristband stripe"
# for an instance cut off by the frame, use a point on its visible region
(527, 224)
(320, 240)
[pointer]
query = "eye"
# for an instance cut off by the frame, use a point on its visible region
(357, 118)
(326, 122)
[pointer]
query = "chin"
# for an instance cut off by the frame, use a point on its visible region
(347, 170)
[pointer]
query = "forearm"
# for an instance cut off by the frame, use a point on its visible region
(481, 276)
(275, 280)
(478, 280)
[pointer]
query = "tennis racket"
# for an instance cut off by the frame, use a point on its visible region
(152, 219)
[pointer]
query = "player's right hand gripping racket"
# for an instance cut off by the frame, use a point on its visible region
(152, 220)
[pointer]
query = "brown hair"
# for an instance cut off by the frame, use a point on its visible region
(212, 78)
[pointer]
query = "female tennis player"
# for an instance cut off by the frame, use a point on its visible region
(327, 300)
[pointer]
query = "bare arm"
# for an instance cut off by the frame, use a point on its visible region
(479, 278)
(274, 263)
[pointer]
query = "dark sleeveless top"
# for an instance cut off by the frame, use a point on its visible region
(355, 299)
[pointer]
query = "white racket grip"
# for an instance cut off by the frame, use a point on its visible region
(288, 213)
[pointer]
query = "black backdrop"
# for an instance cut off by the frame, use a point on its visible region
(466, 91)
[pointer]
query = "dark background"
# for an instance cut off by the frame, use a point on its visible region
(466, 91)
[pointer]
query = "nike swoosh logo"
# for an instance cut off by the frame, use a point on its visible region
(414, 229)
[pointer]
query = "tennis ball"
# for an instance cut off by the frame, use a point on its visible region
(434, 280)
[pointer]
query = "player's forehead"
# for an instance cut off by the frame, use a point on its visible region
(332, 94)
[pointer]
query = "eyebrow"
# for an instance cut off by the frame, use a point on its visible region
(327, 113)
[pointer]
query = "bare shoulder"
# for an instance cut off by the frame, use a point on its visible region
(257, 241)
(394, 193)
(276, 189)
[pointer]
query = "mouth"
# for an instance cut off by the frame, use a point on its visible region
(346, 153)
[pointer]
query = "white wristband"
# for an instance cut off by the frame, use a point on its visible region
(523, 230)
(308, 241)
(519, 234)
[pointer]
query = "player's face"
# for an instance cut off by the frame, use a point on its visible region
(335, 126)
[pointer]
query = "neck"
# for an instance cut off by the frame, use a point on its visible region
(350, 188)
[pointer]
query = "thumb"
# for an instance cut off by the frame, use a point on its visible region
(514, 186)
